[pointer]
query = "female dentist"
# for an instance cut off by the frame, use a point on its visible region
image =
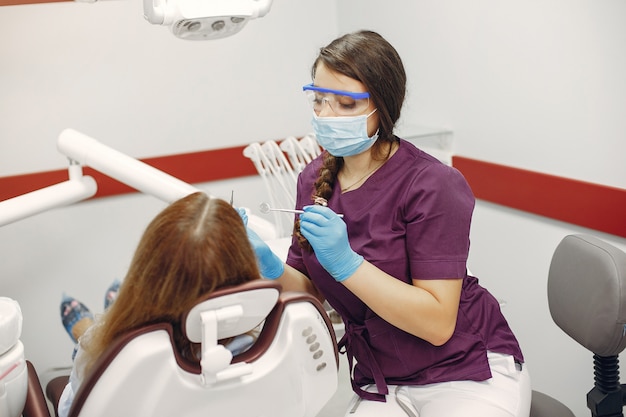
(423, 338)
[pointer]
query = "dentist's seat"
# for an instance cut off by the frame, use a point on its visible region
(291, 370)
(587, 300)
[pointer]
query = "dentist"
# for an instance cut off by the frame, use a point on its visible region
(423, 338)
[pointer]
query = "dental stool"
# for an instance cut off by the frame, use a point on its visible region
(290, 370)
(587, 300)
(13, 371)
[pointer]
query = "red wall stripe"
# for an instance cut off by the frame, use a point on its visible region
(193, 168)
(594, 206)
(590, 205)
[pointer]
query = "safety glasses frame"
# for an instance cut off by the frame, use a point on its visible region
(356, 96)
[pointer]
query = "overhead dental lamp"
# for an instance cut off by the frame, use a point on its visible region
(204, 19)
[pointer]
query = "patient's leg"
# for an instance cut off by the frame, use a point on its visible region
(75, 316)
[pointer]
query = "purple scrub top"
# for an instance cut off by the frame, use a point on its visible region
(411, 219)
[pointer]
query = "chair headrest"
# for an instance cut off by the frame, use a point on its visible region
(587, 293)
(256, 299)
(10, 323)
(143, 374)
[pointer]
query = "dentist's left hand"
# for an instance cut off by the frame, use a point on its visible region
(270, 265)
(328, 235)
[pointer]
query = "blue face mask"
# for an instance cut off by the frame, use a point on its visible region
(343, 136)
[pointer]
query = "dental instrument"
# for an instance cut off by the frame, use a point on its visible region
(265, 208)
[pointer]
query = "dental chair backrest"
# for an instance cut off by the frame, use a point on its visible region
(13, 371)
(291, 369)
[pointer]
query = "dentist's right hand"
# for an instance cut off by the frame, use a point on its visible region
(328, 235)
(270, 265)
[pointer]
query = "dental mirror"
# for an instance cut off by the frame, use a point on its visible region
(266, 208)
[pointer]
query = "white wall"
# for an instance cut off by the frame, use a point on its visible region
(105, 71)
(536, 85)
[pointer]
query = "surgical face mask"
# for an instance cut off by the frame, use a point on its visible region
(343, 136)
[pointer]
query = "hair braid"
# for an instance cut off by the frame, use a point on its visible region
(327, 176)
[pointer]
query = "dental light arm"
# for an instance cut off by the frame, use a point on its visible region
(84, 150)
(77, 188)
(139, 175)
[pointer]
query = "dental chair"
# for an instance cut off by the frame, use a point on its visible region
(587, 300)
(20, 389)
(13, 371)
(290, 370)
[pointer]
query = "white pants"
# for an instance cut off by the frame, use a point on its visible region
(506, 394)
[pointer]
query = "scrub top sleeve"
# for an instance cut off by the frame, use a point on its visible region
(439, 209)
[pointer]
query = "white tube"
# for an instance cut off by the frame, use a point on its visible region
(128, 170)
(57, 195)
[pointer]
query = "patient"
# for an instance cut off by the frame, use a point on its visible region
(192, 248)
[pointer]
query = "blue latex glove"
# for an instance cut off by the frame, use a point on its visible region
(270, 265)
(328, 235)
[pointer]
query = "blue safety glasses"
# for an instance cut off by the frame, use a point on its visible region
(343, 103)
